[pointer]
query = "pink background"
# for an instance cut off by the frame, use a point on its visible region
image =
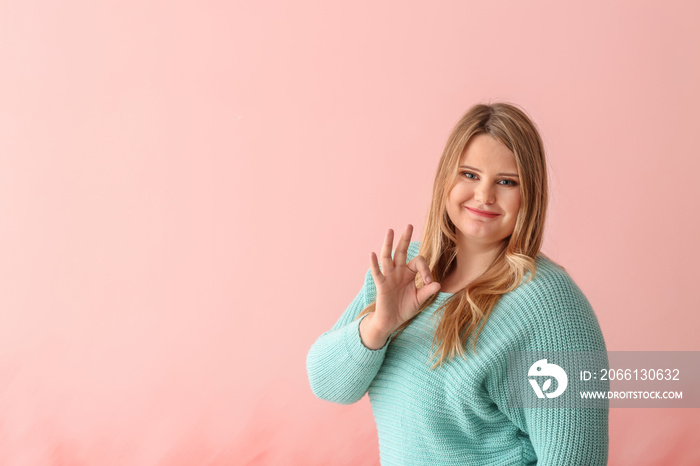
(189, 192)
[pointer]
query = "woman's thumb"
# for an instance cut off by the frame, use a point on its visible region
(426, 291)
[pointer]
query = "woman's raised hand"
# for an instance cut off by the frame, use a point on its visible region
(398, 299)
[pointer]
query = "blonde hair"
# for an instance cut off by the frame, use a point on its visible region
(467, 311)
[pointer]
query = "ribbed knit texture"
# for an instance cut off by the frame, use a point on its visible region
(458, 414)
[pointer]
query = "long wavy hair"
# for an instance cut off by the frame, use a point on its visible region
(467, 310)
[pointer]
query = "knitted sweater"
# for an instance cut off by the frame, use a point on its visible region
(458, 413)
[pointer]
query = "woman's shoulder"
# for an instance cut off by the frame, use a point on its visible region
(552, 311)
(550, 293)
(549, 276)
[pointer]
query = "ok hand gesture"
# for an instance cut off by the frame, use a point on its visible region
(398, 299)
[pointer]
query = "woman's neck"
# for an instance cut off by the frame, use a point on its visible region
(472, 260)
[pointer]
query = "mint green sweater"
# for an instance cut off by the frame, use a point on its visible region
(458, 414)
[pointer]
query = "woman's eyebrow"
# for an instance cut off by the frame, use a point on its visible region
(497, 174)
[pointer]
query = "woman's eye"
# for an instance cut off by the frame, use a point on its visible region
(469, 175)
(508, 183)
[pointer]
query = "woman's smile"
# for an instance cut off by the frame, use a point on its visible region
(482, 213)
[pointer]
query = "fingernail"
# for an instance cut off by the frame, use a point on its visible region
(427, 279)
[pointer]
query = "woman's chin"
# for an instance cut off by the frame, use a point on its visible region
(482, 236)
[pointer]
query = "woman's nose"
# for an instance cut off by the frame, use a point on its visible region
(485, 194)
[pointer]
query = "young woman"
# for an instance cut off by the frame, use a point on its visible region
(430, 332)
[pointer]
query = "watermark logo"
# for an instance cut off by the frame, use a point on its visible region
(544, 369)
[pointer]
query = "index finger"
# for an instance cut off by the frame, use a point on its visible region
(402, 247)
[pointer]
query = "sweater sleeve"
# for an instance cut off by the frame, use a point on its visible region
(560, 320)
(340, 367)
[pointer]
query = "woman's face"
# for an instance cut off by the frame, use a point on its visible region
(484, 202)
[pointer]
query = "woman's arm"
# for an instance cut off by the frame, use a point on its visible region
(340, 367)
(557, 320)
(342, 363)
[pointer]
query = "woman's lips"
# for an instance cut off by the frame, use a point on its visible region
(482, 213)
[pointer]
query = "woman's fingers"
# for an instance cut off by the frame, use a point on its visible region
(387, 262)
(420, 265)
(374, 268)
(402, 246)
(426, 291)
(430, 287)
